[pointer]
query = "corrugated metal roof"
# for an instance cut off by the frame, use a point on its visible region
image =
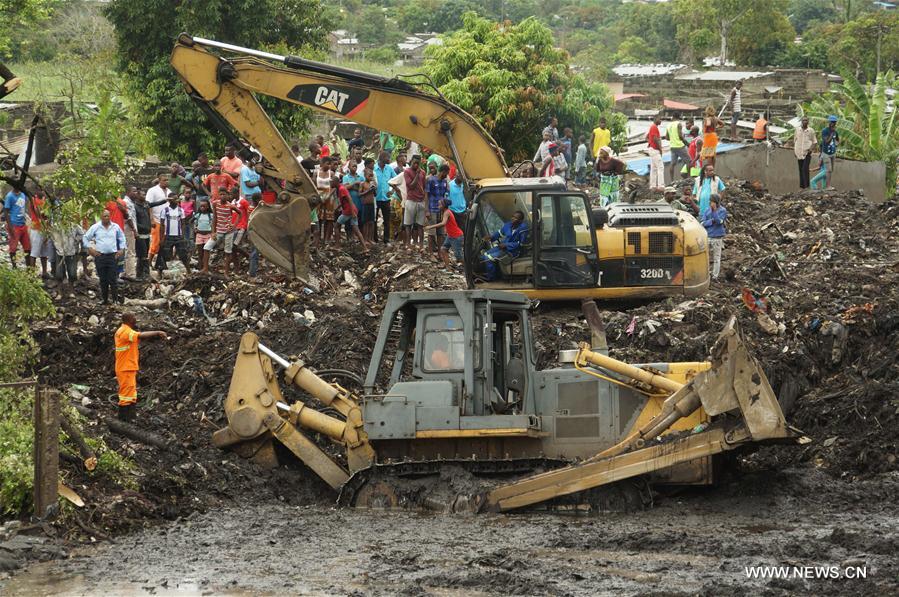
(722, 75)
(646, 70)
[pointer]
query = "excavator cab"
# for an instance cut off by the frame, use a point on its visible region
(558, 250)
(573, 250)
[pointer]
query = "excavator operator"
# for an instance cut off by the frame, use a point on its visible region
(508, 239)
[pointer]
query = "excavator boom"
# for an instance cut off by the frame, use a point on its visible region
(226, 90)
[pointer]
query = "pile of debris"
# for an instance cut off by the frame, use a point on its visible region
(811, 277)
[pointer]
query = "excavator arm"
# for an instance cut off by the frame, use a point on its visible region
(226, 88)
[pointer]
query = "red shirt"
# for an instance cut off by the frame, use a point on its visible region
(115, 214)
(452, 229)
(34, 211)
(214, 181)
(654, 138)
(326, 151)
(415, 185)
(241, 217)
(346, 202)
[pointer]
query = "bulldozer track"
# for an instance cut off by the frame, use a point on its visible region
(381, 486)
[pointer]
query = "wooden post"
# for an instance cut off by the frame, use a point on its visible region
(46, 451)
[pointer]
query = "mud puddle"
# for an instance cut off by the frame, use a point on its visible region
(693, 544)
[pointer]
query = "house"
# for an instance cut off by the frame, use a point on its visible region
(342, 45)
(412, 49)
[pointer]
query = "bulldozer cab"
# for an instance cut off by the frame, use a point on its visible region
(464, 354)
(558, 249)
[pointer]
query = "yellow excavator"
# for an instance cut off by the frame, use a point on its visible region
(632, 251)
(453, 392)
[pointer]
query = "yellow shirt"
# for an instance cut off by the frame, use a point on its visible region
(601, 137)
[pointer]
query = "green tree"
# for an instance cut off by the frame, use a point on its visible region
(96, 162)
(512, 78)
(418, 17)
(805, 13)
(145, 33)
(867, 130)
(634, 50)
(747, 32)
(21, 15)
(857, 45)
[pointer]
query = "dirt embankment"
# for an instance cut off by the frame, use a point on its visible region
(826, 265)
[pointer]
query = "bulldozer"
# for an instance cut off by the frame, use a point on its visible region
(632, 252)
(453, 384)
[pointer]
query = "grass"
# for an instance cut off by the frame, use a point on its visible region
(59, 80)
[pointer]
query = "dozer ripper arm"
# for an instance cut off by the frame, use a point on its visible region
(226, 90)
(734, 389)
(255, 407)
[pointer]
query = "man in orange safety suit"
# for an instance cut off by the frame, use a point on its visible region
(126, 366)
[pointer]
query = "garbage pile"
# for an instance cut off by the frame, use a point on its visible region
(812, 279)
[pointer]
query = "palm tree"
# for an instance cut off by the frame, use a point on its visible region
(868, 126)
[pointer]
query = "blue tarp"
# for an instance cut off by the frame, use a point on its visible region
(641, 165)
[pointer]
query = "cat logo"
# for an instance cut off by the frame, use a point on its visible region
(342, 100)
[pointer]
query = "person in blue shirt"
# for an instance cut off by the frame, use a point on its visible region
(437, 191)
(249, 179)
(713, 220)
(383, 172)
(13, 211)
(458, 204)
(105, 242)
(829, 140)
(353, 180)
(509, 239)
(707, 184)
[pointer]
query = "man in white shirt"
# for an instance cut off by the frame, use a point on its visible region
(543, 151)
(160, 192)
(130, 233)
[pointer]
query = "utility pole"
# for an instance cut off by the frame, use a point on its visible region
(879, 37)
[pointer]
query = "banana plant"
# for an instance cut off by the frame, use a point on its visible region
(868, 126)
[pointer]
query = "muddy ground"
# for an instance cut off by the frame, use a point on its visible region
(699, 543)
(827, 266)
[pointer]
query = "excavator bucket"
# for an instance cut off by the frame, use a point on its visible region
(281, 233)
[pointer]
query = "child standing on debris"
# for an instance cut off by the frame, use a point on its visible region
(820, 179)
(580, 162)
(367, 191)
(203, 223)
(454, 236)
(349, 215)
(713, 220)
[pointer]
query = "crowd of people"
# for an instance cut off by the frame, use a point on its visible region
(188, 215)
(407, 196)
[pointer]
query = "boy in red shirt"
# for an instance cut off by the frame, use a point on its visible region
(349, 215)
(454, 237)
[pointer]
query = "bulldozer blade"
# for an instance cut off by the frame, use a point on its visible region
(736, 382)
(281, 233)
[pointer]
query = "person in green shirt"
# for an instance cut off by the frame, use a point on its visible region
(176, 180)
(677, 145)
(387, 142)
